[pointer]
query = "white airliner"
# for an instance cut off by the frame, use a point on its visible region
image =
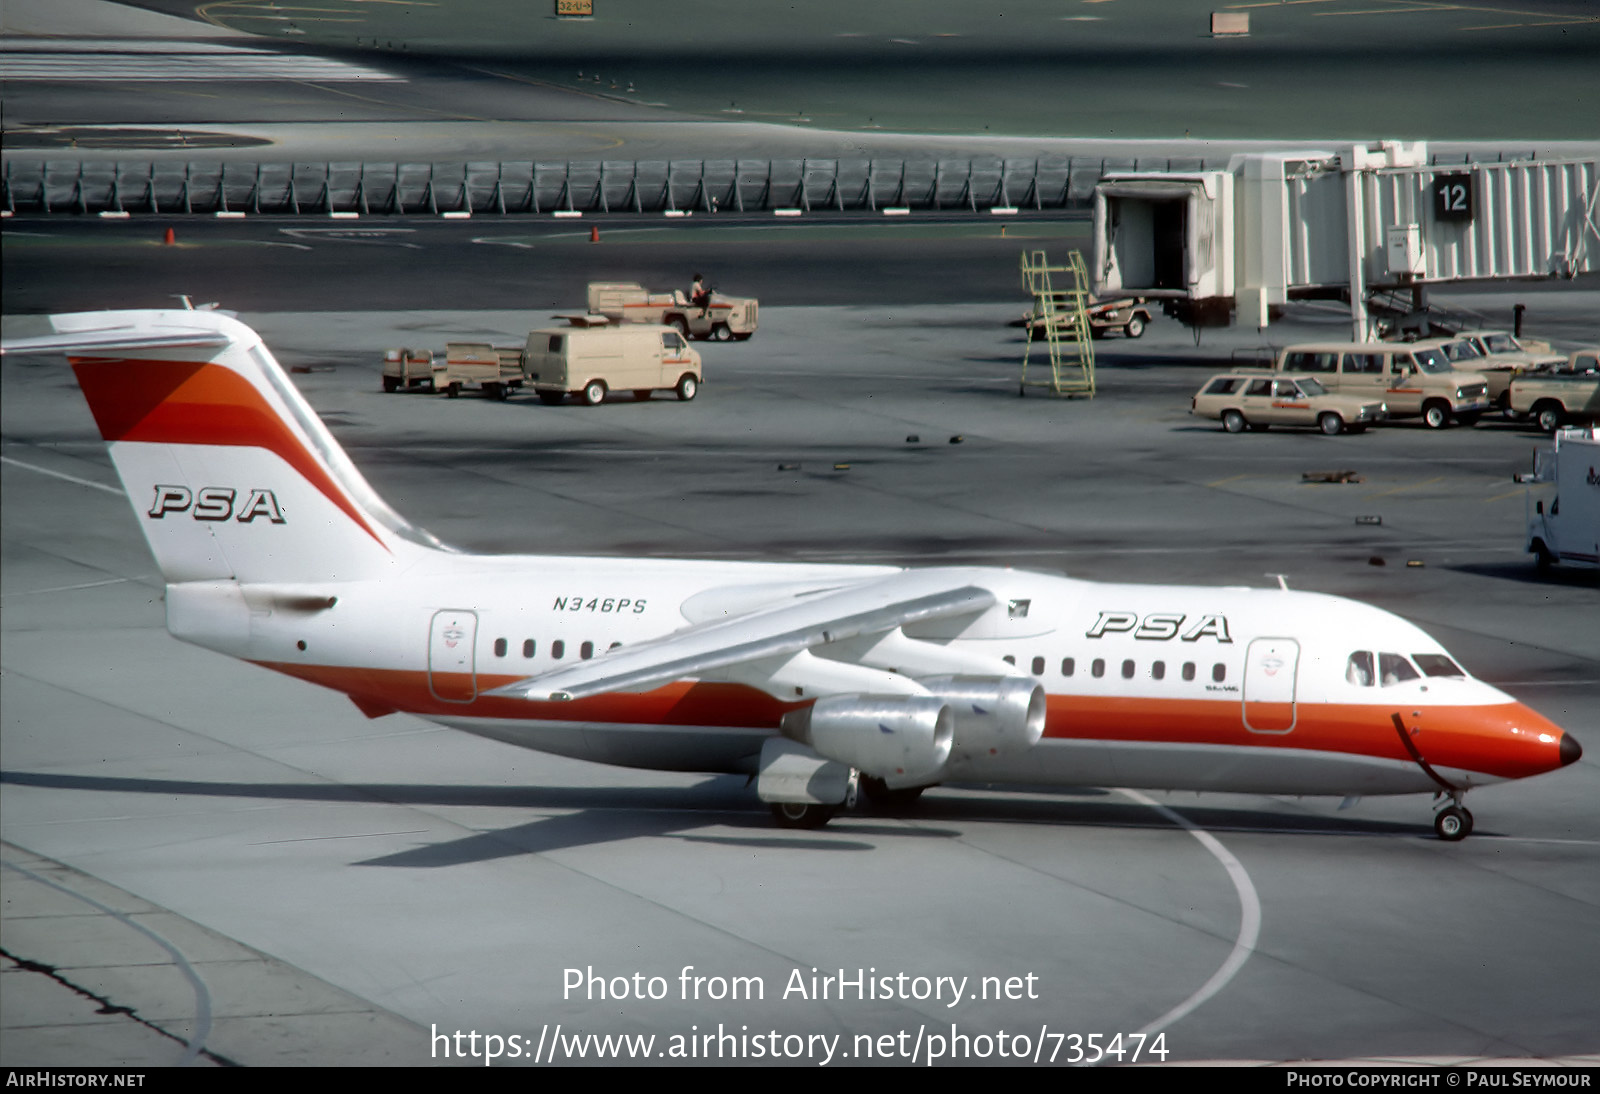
(810, 677)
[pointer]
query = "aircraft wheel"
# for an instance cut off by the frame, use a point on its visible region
(1233, 421)
(594, 393)
(1134, 328)
(802, 814)
(1453, 823)
(1330, 423)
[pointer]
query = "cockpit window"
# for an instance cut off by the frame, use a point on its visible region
(1393, 668)
(1437, 664)
(1359, 671)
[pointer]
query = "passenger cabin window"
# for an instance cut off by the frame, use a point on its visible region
(586, 650)
(1188, 670)
(1219, 672)
(527, 647)
(1068, 666)
(1158, 670)
(558, 649)
(499, 647)
(1098, 669)
(1127, 670)
(1038, 666)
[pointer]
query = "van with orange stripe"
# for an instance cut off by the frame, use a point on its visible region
(1412, 379)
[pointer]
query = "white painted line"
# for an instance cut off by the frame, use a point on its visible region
(1003, 211)
(119, 215)
(5, 212)
(898, 211)
(567, 213)
(348, 216)
(62, 475)
(461, 214)
(202, 997)
(674, 213)
(787, 212)
(228, 214)
(1249, 914)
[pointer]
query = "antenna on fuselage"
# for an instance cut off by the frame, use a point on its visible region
(1282, 582)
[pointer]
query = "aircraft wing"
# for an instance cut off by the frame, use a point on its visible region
(766, 634)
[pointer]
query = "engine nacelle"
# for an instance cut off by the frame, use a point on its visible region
(895, 737)
(993, 715)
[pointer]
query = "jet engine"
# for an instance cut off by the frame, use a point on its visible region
(894, 737)
(993, 715)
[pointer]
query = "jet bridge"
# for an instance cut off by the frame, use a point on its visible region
(1370, 225)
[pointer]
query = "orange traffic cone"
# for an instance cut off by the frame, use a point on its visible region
(170, 239)
(594, 233)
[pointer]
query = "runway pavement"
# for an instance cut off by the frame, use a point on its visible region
(424, 878)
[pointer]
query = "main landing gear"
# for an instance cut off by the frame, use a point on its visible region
(1454, 821)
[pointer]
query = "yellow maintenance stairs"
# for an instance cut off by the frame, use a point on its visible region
(1060, 317)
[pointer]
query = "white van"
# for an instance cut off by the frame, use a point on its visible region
(591, 361)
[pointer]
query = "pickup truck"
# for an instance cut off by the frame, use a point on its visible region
(1555, 396)
(727, 317)
(1499, 356)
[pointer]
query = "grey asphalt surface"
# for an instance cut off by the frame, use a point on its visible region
(441, 879)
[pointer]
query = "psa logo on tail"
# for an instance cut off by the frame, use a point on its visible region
(215, 503)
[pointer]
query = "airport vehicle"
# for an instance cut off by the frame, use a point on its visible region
(497, 372)
(590, 361)
(1570, 393)
(1411, 378)
(1499, 356)
(1569, 535)
(809, 678)
(1129, 315)
(726, 317)
(411, 368)
(1243, 399)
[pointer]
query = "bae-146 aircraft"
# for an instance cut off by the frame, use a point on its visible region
(811, 678)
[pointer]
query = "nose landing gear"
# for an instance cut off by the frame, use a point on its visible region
(1454, 821)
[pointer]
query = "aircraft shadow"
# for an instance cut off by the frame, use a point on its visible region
(610, 814)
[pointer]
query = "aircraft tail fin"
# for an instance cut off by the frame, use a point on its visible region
(231, 474)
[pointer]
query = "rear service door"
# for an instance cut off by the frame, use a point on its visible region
(1269, 673)
(452, 672)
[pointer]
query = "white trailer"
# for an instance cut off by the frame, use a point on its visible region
(1568, 529)
(1373, 225)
